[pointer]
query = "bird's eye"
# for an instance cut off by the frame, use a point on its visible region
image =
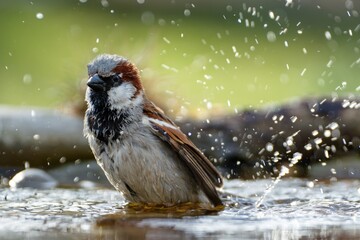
(116, 78)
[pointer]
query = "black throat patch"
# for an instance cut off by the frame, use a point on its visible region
(106, 124)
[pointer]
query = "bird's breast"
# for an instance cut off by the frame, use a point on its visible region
(145, 169)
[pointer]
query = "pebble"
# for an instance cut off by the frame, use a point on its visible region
(33, 178)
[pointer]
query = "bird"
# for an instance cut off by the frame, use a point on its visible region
(142, 152)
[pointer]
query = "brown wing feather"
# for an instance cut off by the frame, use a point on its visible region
(205, 173)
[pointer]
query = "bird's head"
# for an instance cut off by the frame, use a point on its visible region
(113, 81)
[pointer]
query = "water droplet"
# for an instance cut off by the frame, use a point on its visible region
(308, 147)
(288, 3)
(162, 22)
(335, 134)
(343, 85)
(327, 133)
(62, 160)
(148, 18)
(228, 103)
(39, 16)
(271, 14)
(269, 147)
(289, 141)
(295, 159)
(104, 3)
(328, 35)
(317, 141)
(271, 36)
(284, 170)
(166, 40)
(349, 4)
(315, 132)
(310, 184)
(207, 77)
(27, 78)
(36, 137)
(187, 12)
(293, 118)
(326, 153)
(229, 8)
(333, 125)
(330, 63)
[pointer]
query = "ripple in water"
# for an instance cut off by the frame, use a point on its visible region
(295, 208)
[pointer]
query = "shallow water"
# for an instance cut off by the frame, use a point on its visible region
(295, 208)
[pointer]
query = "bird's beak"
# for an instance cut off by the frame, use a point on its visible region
(96, 83)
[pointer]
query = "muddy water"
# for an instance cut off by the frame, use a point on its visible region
(294, 209)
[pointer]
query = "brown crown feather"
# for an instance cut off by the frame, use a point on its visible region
(130, 73)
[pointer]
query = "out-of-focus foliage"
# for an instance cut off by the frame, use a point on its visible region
(227, 53)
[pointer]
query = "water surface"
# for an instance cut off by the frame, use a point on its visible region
(295, 208)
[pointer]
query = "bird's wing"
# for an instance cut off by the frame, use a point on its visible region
(205, 173)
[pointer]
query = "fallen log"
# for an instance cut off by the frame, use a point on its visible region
(40, 137)
(256, 143)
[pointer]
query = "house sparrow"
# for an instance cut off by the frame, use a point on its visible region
(143, 153)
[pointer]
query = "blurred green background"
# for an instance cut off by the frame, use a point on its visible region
(200, 54)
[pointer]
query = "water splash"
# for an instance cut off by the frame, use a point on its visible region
(284, 170)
